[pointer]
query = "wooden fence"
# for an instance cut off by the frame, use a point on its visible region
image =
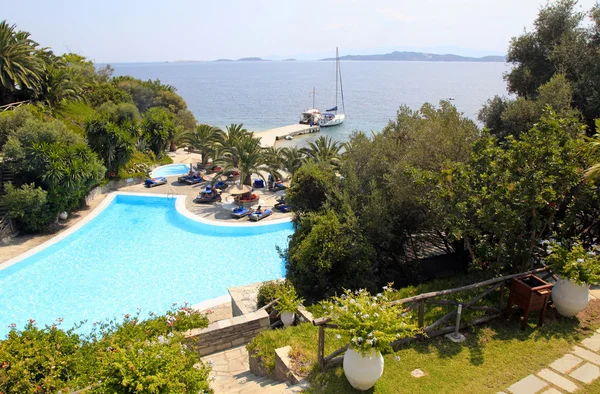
(439, 326)
(10, 106)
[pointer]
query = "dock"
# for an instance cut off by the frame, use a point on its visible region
(268, 138)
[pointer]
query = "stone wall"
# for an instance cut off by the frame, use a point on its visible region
(111, 186)
(228, 333)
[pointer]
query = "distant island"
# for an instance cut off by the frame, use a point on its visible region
(421, 57)
(223, 60)
(252, 59)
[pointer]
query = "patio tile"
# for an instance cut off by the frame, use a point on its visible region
(552, 390)
(557, 380)
(566, 363)
(592, 343)
(586, 355)
(529, 385)
(587, 373)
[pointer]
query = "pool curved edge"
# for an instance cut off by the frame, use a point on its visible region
(179, 206)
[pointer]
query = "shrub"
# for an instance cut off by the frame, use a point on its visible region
(129, 357)
(575, 263)
(267, 293)
(370, 320)
(328, 253)
(309, 189)
(28, 207)
(287, 299)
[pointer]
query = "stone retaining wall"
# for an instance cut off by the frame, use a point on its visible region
(228, 333)
(111, 186)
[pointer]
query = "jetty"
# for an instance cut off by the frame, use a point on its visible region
(268, 138)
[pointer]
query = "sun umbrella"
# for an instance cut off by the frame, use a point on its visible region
(190, 160)
(239, 189)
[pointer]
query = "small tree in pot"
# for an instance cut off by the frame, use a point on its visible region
(577, 269)
(373, 324)
(287, 303)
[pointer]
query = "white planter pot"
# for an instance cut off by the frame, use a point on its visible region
(570, 298)
(363, 371)
(287, 318)
(63, 216)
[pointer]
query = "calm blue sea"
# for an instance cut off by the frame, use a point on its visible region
(264, 95)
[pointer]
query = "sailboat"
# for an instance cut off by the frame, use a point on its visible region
(333, 116)
(312, 115)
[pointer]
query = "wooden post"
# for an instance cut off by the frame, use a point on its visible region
(321, 349)
(501, 302)
(421, 313)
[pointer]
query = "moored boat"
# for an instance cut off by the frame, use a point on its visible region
(333, 116)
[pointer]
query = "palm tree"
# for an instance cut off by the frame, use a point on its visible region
(324, 150)
(247, 157)
(204, 139)
(593, 173)
(20, 68)
(292, 159)
(59, 84)
(233, 133)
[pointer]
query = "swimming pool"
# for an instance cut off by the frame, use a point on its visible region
(170, 170)
(139, 252)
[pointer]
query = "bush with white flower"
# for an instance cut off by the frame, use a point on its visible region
(370, 320)
(575, 263)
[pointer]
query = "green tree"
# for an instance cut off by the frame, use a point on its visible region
(20, 68)
(113, 142)
(327, 254)
(506, 197)
(204, 139)
(245, 156)
(310, 188)
(104, 92)
(158, 126)
(324, 150)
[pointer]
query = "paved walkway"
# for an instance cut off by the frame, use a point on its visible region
(231, 375)
(568, 374)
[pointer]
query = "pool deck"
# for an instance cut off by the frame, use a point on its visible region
(217, 213)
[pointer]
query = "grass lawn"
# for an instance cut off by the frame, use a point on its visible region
(493, 357)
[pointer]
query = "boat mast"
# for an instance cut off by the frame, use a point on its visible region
(314, 93)
(337, 67)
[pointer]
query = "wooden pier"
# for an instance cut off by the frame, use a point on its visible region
(268, 138)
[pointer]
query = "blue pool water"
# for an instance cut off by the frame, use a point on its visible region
(171, 170)
(139, 252)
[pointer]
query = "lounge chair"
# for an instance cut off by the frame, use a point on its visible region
(282, 207)
(259, 184)
(221, 185)
(240, 212)
(255, 217)
(277, 186)
(151, 182)
(207, 198)
(194, 179)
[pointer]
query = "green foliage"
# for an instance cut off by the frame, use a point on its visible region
(128, 357)
(20, 67)
(324, 151)
(53, 157)
(28, 207)
(11, 121)
(267, 293)
(560, 42)
(74, 115)
(504, 200)
(149, 94)
(107, 92)
(328, 253)
(158, 125)
(204, 139)
(113, 142)
(310, 187)
(287, 298)
(575, 263)
(372, 322)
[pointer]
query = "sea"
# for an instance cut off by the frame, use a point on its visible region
(267, 94)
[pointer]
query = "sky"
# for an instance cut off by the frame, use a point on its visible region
(112, 31)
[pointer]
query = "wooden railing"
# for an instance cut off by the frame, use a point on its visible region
(10, 106)
(438, 327)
